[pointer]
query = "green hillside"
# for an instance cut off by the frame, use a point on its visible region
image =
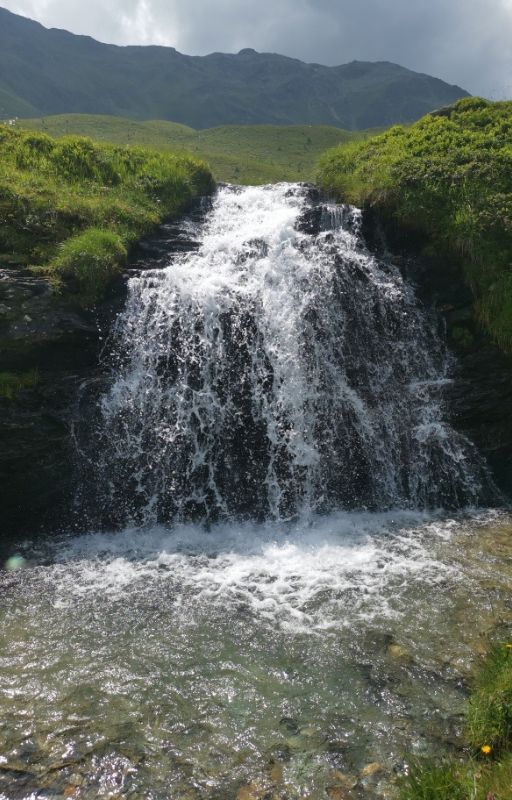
(236, 153)
(447, 181)
(56, 72)
(71, 208)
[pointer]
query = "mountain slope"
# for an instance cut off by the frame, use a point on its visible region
(236, 153)
(54, 72)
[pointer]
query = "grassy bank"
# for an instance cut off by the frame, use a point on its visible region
(71, 208)
(447, 180)
(247, 154)
(486, 773)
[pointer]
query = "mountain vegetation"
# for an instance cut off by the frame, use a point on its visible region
(54, 72)
(447, 181)
(246, 154)
(71, 208)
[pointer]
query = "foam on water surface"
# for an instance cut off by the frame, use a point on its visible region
(282, 572)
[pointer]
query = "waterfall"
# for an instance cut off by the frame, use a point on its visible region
(277, 370)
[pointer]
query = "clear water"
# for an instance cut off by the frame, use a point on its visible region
(287, 658)
(264, 623)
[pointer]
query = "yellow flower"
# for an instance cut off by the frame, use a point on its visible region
(508, 646)
(486, 749)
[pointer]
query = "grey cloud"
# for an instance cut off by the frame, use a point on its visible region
(468, 42)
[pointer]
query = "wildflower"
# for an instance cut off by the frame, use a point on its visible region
(486, 749)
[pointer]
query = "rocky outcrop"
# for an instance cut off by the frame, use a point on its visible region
(57, 345)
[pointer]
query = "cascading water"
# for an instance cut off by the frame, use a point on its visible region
(277, 372)
(278, 382)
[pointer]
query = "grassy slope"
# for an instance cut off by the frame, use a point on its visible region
(72, 208)
(248, 154)
(448, 180)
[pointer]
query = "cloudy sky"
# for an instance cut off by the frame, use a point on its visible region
(468, 42)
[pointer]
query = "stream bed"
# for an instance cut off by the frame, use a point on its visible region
(246, 661)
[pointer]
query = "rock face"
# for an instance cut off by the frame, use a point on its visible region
(58, 346)
(480, 394)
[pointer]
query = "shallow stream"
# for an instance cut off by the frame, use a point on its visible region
(291, 660)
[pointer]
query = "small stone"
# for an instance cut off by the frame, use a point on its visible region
(308, 732)
(253, 791)
(290, 725)
(398, 652)
(76, 779)
(70, 791)
(14, 563)
(276, 773)
(336, 793)
(342, 779)
(371, 769)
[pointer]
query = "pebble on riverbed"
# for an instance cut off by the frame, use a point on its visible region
(399, 653)
(372, 769)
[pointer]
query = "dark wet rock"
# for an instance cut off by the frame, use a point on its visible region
(40, 335)
(289, 725)
(310, 221)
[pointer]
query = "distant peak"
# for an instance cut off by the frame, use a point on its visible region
(248, 51)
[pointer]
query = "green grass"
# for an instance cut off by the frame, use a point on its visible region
(447, 180)
(454, 780)
(71, 208)
(487, 774)
(246, 154)
(89, 261)
(489, 719)
(446, 781)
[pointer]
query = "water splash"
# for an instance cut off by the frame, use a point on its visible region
(279, 370)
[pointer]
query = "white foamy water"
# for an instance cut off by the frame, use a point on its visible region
(298, 577)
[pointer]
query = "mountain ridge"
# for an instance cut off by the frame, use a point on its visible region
(47, 71)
